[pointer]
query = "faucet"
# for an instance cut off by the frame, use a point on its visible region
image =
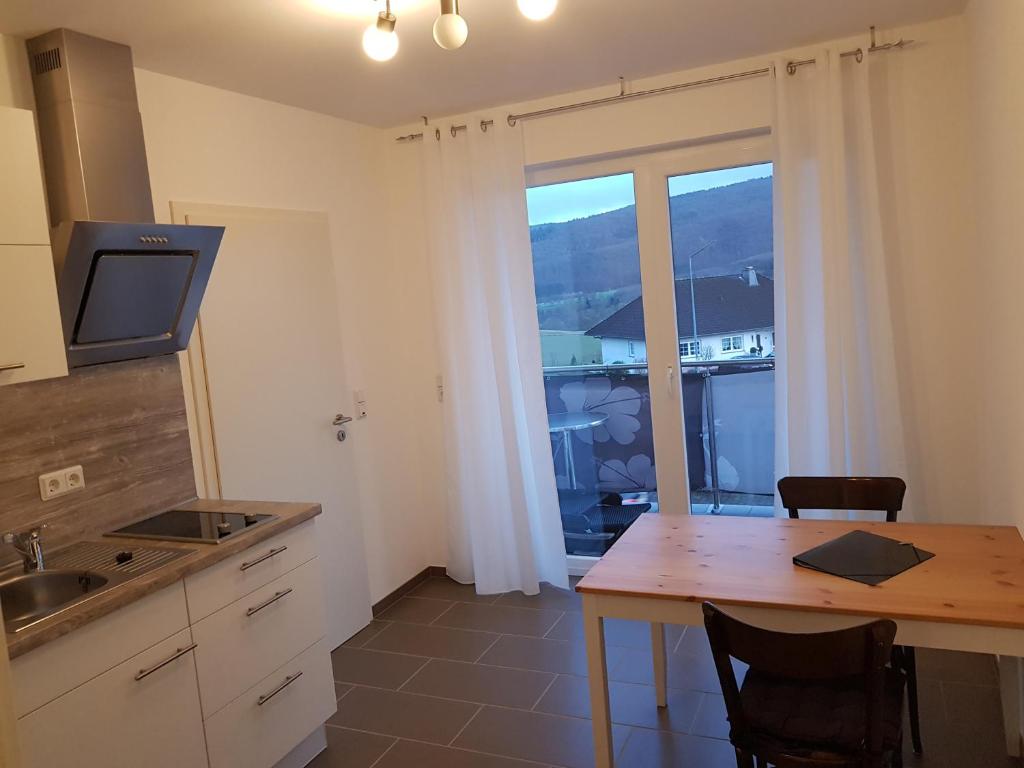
(29, 545)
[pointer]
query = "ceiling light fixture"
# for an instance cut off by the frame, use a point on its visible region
(450, 29)
(537, 10)
(380, 40)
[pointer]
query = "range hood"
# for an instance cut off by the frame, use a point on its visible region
(128, 287)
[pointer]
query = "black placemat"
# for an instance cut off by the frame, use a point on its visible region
(862, 556)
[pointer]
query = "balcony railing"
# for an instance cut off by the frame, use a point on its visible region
(616, 454)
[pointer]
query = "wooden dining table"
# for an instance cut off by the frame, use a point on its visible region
(969, 597)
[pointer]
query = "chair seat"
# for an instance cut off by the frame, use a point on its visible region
(810, 715)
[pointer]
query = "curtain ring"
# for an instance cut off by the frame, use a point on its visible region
(454, 132)
(511, 121)
(791, 67)
(483, 125)
(437, 134)
(860, 55)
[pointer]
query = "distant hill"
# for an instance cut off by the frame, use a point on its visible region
(587, 268)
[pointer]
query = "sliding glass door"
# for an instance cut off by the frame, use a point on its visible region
(654, 285)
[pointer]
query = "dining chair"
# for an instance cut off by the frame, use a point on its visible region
(880, 494)
(820, 700)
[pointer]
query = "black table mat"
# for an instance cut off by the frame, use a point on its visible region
(863, 557)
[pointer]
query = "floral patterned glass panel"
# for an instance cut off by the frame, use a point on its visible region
(587, 277)
(723, 256)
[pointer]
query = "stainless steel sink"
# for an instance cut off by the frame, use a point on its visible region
(74, 574)
(30, 597)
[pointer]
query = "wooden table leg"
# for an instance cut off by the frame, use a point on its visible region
(660, 663)
(593, 630)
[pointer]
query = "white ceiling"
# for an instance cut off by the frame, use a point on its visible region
(307, 52)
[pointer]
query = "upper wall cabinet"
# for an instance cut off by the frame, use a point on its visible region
(31, 339)
(22, 204)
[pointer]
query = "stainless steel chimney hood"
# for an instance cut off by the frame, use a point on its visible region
(128, 287)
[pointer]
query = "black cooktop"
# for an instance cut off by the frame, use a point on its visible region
(189, 525)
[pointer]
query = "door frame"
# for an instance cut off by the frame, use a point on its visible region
(651, 171)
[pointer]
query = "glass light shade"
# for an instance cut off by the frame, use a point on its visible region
(450, 31)
(379, 44)
(537, 10)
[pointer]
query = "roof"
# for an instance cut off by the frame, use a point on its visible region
(725, 303)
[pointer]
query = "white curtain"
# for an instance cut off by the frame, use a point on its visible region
(504, 527)
(837, 395)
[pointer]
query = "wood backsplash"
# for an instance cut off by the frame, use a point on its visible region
(125, 423)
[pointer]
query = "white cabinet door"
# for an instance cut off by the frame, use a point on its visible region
(22, 205)
(118, 721)
(31, 339)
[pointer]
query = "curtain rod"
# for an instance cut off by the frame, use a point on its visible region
(791, 68)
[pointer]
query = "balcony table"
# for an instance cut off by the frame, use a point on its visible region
(969, 597)
(566, 424)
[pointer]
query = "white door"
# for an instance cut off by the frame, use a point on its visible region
(268, 358)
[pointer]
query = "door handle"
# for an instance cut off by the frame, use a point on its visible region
(670, 376)
(341, 419)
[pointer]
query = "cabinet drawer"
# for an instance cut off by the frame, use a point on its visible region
(248, 734)
(119, 721)
(248, 639)
(247, 571)
(44, 674)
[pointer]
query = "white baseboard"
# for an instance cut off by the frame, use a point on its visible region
(579, 565)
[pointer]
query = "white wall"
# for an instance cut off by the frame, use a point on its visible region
(921, 99)
(213, 146)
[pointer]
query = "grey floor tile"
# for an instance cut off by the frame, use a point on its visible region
(549, 597)
(685, 672)
(545, 655)
(503, 619)
(412, 754)
(954, 667)
(630, 704)
(436, 642)
(340, 689)
(360, 638)
(974, 733)
(659, 749)
(482, 684)
(628, 634)
(712, 720)
(548, 739)
(405, 715)
(416, 610)
(362, 666)
(351, 749)
(446, 589)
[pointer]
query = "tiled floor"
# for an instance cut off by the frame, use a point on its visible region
(450, 679)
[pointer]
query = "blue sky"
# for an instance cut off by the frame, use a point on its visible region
(577, 199)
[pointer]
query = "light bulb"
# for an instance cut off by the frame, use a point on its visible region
(380, 44)
(450, 31)
(537, 10)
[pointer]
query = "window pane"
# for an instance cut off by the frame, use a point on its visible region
(586, 266)
(722, 252)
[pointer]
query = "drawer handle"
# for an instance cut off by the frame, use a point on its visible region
(281, 686)
(258, 560)
(144, 673)
(269, 601)
(11, 366)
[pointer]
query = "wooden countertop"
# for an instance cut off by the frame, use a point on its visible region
(201, 556)
(976, 576)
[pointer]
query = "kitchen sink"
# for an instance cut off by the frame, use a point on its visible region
(73, 575)
(30, 597)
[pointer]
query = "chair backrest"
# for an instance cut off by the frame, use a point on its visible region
(860, 652)
(884, 494)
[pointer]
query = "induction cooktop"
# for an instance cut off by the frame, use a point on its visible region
(191, 525)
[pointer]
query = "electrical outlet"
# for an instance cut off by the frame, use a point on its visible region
(74, 478)
(60, 482)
